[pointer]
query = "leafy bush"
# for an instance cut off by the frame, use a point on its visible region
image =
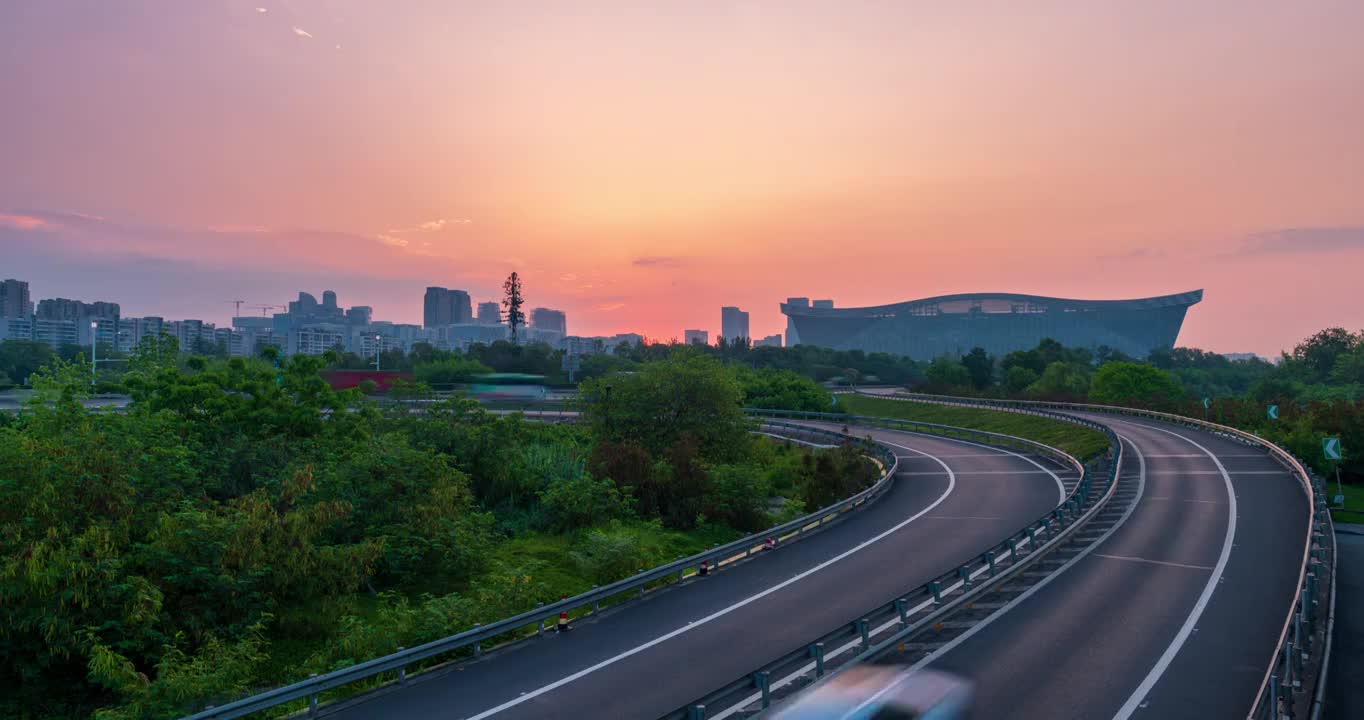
(582, 502)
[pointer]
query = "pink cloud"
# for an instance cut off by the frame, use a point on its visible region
(23, 222)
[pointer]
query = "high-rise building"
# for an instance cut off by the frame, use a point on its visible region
(551, 320)
(305, 306)
(329, 300)
(489, 313)
(733, 324)
(823, 304)
(359, 315)
(14, 299)
(768, 341)
(441, 306)
(792, 337)
(102, 315)
(60, 309)
(696, 337)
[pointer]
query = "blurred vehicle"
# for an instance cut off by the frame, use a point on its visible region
(883, 692)
(508, 386)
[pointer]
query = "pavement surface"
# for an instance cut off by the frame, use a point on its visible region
(951, 501)
(1345, 685)
(1176, 614)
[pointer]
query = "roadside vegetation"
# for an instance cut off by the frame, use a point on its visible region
(1081, 442)
(241, 525)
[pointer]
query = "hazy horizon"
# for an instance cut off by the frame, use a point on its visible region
(644, 163)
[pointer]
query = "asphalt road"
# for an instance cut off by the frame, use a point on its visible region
(1172, 615)
(1345, 686)
(648, 658)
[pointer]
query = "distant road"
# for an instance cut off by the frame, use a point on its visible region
(1176, 614)
(951, 501)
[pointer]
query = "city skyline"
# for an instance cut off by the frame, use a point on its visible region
(642, 163)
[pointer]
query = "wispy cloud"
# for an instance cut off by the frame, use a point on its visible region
(1135, 254)
(261, 10)
(301, 32)
(23, 222)
(391, 240)
(609, 307)
(233, 229)
(659, 261)
(1304, 240)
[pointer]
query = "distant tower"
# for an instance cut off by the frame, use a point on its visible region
(733, 324)
(791, 337)
(329, 299)
(489, 313)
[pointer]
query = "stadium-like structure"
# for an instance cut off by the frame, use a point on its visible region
(952, 325)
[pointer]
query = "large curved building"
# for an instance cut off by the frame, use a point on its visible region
(999, 322)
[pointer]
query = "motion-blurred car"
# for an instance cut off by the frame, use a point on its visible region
(883, 692)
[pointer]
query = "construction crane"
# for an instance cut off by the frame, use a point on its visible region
(237, 311)
(265, 309)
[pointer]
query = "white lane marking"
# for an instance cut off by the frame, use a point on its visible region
(807, 668)
(1152, 562)
(981, 472)
(1139, 695)
(1175, 499)
(968, 455)
(951, 485)
(1197, 455)
(962, 517)
(1060, 486)
(1141, 487)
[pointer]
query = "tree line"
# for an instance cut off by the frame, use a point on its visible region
(242, 525)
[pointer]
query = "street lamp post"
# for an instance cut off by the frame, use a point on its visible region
(378, 348)
(94, 351)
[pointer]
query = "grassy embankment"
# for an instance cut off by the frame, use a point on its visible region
(1079, 441)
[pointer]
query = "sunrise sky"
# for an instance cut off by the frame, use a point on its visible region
(644, 162)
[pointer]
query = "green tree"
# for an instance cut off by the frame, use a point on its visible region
(980, 366)
(686, 394)
(944, 375)
(21, 358)
(781, 390)
(1316, 356)
(512, 300)
(1065, 381)
(1018, 377)
(1135, 385)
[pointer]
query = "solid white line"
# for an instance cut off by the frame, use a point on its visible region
(980, 472)
(1060, 486)
(1141, 487)
(962, 517)
(807, 668)
(1175, 499)
(1152, 562)
(1197, 455)
(1186, 630)
(951, 485)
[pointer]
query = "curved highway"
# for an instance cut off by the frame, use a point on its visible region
(1174, 614)
(951, 500)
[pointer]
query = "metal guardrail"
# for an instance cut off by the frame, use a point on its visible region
(398, 662)
(1293, 655)
(1009, 557)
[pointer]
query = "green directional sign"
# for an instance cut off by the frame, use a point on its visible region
(1273, 412)
(1330, 447)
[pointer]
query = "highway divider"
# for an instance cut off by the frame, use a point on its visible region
(480, 638)
(1295, 675)
(929, 603)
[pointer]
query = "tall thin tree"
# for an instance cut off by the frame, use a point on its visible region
(512, 302)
